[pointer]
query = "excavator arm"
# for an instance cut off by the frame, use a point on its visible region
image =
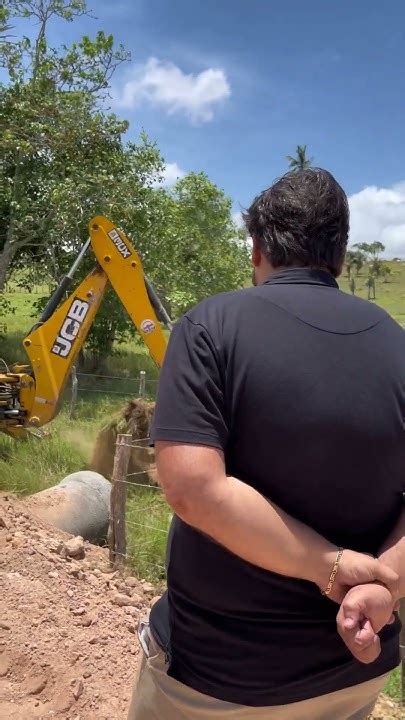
(30, 395)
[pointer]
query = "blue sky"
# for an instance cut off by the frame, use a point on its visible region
(232, 86)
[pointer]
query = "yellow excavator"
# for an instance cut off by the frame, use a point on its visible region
(30, 395)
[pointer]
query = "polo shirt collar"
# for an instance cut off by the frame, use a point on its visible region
(302, 276)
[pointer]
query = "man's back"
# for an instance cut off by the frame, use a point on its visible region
(307, 395)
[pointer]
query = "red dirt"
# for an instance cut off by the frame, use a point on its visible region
(68, 644)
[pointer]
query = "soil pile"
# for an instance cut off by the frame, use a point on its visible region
(68, 643)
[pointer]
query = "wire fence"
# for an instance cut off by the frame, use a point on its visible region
(84, 385)
(139, 524)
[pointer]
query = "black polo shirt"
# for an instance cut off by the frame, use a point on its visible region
(303, 388)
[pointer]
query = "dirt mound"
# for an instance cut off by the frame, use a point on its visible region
(135, 419)
(68, 645)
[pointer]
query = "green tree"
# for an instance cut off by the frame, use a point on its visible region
(386, 273)
(350, 262)
(300, 160)
(65, 160)
(372, 250)
(191, 246)
(359, 261)
(54, 139)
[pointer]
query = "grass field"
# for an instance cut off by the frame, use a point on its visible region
(27, 467)
(390, 295)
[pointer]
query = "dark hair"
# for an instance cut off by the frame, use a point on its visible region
(302, 219)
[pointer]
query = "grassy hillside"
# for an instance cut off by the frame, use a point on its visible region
(390, 295)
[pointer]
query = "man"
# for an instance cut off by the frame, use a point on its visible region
(280, 444)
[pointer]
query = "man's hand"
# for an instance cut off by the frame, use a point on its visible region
(358, 569)
(365, 610)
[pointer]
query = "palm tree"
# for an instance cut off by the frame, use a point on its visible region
(300, 162)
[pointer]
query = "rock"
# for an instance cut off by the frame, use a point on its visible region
(75, 547)
(87, 621)
(131, 582)
(132, 627)
(35, 685)
(53, 574)
(9, 537)
(133, 611)
(78, 611)
(64, 701)
(123, 600)
(77, 688)
(3, 523)
(148, 588)
(86, 674)
(5, 664)
(4, 625)
(73, 570)
(93, 580)
(70, 593)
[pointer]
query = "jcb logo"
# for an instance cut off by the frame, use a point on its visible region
(70, 328)
(119, 244)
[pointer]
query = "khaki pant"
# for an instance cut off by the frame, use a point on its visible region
(159, 697)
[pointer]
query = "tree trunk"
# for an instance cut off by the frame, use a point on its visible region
(6, 258)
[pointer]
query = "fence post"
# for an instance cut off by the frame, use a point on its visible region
(116, 533)
(142, 384)
(73, 397)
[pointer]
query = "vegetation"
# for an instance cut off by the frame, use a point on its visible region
(66, 159)
(300, 160)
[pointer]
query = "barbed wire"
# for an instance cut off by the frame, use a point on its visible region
(129, 556)
(142, 485)
(148, 527)
(134, 378)
(139, 472)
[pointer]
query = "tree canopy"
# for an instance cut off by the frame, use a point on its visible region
(66, 158)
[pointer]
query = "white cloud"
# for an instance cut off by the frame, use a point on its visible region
(379, 214)
(163, 84)
(170, 174)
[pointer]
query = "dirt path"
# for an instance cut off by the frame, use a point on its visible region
(68, 646)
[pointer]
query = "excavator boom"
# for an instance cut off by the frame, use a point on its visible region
(30, 395)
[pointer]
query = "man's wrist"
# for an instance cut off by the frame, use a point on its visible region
(391, 559)
(321, 564)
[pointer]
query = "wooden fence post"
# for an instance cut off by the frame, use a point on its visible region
(142, 383)
(73, 397)
(116, 535)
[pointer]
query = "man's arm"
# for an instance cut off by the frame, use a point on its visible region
(239, 518)
(393, 553)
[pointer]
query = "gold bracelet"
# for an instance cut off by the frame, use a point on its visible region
(333, 574)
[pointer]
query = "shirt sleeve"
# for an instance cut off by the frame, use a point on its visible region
(190, 400)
